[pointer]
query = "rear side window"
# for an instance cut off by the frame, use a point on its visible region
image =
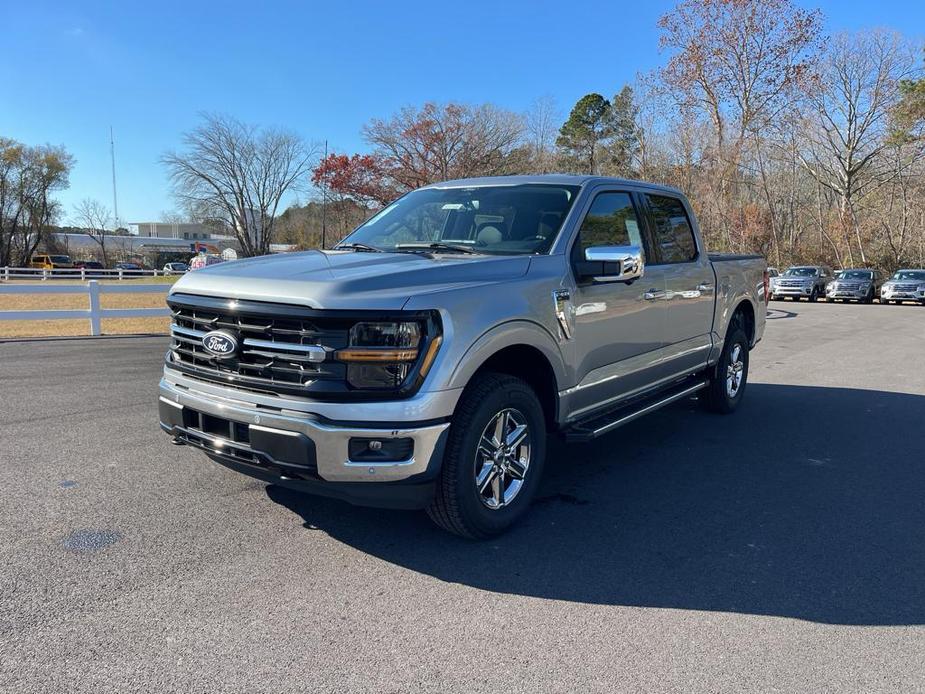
(674, 236)
(611, 221)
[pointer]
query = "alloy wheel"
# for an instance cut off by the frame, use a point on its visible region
(734, 371)
(503, 458)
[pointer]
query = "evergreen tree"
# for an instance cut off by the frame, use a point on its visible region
(623, 146)
(583, 135)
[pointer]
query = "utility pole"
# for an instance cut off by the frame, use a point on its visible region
(115, 202)
(324, 203)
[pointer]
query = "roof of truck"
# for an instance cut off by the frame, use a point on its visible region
(549, 179)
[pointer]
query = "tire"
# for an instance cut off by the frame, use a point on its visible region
(717, 397)
(869, 299)
(829, 301)
(459, 506)
(814, 296)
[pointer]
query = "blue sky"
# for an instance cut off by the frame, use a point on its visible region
(70, 70)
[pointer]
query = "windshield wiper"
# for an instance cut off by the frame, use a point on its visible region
(358, 247)
(437, 246)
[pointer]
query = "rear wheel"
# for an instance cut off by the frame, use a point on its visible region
(727, 383)
(494, 458)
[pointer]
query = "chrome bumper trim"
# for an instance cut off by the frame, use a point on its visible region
(334, 464)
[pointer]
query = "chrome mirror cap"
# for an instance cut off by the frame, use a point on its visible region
(620, 263)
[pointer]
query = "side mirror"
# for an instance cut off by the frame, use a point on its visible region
(611, 264)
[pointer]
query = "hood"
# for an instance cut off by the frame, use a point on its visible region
(348, 279)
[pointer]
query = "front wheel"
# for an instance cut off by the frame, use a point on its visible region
(494, 458)
(727, 383)
(814, 295)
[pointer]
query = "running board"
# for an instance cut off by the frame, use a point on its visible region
(598, 425)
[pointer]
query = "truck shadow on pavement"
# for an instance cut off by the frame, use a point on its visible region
(809, 503)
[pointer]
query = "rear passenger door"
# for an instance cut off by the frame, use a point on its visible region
(689, 282)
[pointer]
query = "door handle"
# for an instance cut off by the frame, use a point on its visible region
(653, 294)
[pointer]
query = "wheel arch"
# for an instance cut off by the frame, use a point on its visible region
(745, 309)
(520, 349)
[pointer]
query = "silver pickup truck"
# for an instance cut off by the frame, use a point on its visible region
(422, 362)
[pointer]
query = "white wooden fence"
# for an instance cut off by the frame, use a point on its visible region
(94, 313)
(77, 273)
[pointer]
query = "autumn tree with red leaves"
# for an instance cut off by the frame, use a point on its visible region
(361, 177)
(417, 146)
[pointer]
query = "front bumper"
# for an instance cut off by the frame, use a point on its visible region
(303, 446)
(792, 291)
(888, 295)
(845, 294)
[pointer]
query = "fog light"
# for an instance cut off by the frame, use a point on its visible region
(368, 450)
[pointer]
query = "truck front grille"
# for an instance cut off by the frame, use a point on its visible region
(906, 287)
(281, 348)
(790, 284)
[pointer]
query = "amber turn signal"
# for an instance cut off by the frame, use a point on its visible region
(375, 354)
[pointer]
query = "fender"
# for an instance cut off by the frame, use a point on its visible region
(509, 334)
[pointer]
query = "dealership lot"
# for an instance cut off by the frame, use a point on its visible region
(777, 548)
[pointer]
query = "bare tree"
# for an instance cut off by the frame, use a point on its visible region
(239, 174)
(848, 129)
(94, 218)
(738, 60)
(542, 126)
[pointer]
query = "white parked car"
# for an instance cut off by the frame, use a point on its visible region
(175, 268)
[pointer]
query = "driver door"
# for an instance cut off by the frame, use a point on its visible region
(619, 327)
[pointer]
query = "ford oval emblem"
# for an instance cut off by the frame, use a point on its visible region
(220, 344)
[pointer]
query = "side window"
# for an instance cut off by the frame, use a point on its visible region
(674, 236)
(611, 221)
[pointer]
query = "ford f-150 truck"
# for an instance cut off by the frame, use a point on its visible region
(422, 362)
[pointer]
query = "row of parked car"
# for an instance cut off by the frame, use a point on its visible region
(814, 282)
(44, 261)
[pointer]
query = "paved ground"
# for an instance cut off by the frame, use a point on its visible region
(781, 549)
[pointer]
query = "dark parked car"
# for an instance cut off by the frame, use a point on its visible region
(91, 268)
(861, 285)
(130, 269)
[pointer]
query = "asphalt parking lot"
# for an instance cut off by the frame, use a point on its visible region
(780, 549)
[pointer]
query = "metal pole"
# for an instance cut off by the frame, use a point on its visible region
(115, 203)
(324, 202)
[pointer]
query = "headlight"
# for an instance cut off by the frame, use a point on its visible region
(864, 287)
(830, 286)
(382, 355)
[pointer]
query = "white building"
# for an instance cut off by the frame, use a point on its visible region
(187, 231)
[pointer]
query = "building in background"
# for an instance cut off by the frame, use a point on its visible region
(187, 231)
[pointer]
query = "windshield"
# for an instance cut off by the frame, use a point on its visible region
(855, 275)
(915, 275)
(503, 220)
(800, 272)
(60, 258)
